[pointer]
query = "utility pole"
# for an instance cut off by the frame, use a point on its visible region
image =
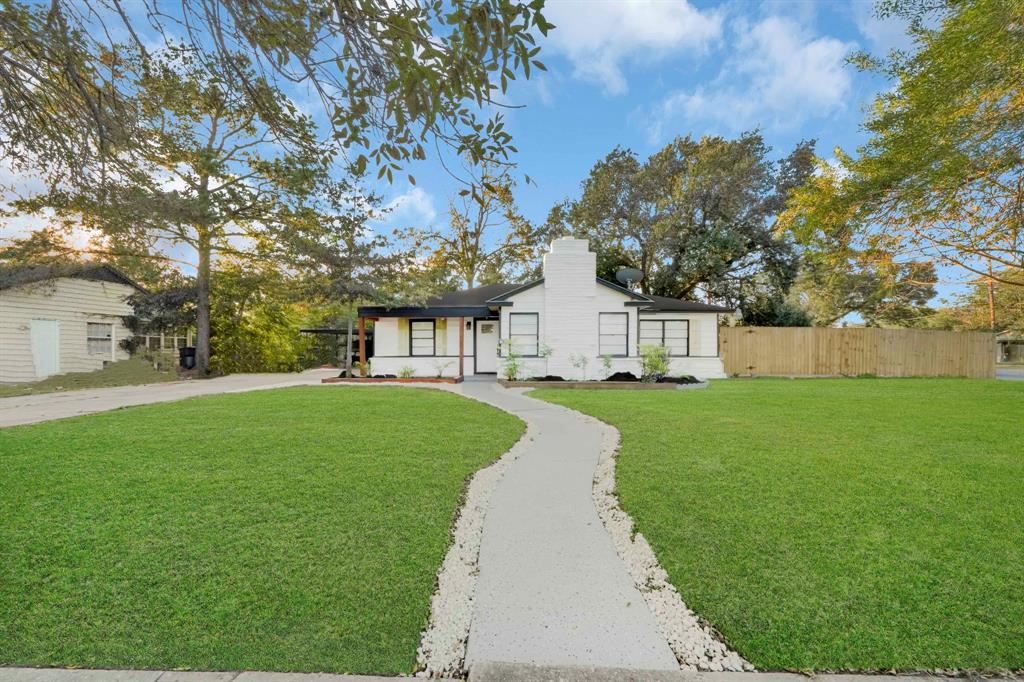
(991, 298)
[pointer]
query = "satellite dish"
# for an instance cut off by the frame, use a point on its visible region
(629, 276)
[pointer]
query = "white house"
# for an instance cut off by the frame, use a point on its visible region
(569, 311)
(61, 318)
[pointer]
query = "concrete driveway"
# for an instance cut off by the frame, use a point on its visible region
(30, 409)
(1010, 373)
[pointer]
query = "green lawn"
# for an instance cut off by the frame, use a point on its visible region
(124, 373)
(295, 530)
(851, 523)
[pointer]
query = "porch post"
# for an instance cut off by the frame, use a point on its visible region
(462, 345)
(362, 346)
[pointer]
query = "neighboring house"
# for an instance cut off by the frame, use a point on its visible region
(1010, 347)
(569, 311)
(56, 319)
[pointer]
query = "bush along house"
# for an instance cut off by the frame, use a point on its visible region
(568, 323)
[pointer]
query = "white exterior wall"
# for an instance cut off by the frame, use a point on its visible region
(73, 303)
(569, 304)
(391, 349)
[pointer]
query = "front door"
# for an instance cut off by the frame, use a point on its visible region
(485, 346)
(45, 338)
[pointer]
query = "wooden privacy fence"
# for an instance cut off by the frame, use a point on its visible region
(824, 351)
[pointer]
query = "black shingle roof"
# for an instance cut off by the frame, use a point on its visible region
(18, 275)
(479, 300)
(666, 304)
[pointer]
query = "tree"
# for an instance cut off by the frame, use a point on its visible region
(698, 214)
(940, 177)
(392, 77)
(970, 311)
(882, 291)
(44, 246)
(845, 271)
(212, 177)
(486, 236)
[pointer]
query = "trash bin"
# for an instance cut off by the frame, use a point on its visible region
(187, 357)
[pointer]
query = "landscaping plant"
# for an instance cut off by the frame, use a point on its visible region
(654, 363)
(512, 361)
(579, 361)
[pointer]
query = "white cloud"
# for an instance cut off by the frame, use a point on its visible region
(598, 36)
(414, 208)
(778, 77)
(883, 35)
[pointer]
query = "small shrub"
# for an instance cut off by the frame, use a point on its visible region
(440, 367)
(512, 361)
(606, 363)
(406, 372)
(545, 351)
(579, 361)
(654, 363)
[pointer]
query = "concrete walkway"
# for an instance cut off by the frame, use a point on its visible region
(551, 589)
(73, 675)
(30, 409)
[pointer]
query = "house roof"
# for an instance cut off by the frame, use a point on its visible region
(478, 302)
(664, 304)
(19, 275)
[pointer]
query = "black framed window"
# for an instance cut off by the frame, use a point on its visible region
(613, 334)
(422, 337)
(672, 334)
(523, 332)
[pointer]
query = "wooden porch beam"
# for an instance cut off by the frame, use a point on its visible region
(362, 346)
(462, 345)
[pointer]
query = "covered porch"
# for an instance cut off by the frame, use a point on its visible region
(429, 342)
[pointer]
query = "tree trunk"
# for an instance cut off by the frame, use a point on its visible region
(203, 307)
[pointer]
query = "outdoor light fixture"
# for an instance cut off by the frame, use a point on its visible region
(469, 325)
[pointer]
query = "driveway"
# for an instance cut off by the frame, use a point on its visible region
(30, 409)
(1010, 373)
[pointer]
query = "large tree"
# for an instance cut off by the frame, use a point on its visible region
(393, 77)
(845, 271)
(698, 215)
(940, 177)
(212, 178)
(487, 238)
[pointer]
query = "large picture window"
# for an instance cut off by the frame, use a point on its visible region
(421, 337)
(523, 330)
(100, 338)
(613, 334)
(672, 334)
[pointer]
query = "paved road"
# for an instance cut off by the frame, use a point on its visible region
(551, 588)
(39, 408)
(1010, 373)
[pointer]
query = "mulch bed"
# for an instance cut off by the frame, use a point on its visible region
(392, 380)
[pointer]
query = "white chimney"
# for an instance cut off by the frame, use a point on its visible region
(570, 317)
(569, 261)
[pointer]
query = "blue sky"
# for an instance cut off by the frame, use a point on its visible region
(637, 73)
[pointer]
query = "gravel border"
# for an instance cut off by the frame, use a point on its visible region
(694, 641)
(442, 650)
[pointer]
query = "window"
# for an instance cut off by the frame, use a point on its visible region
(421, 337)
(99, 338)
(523, 332)
(672, 334)
(613, 333)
